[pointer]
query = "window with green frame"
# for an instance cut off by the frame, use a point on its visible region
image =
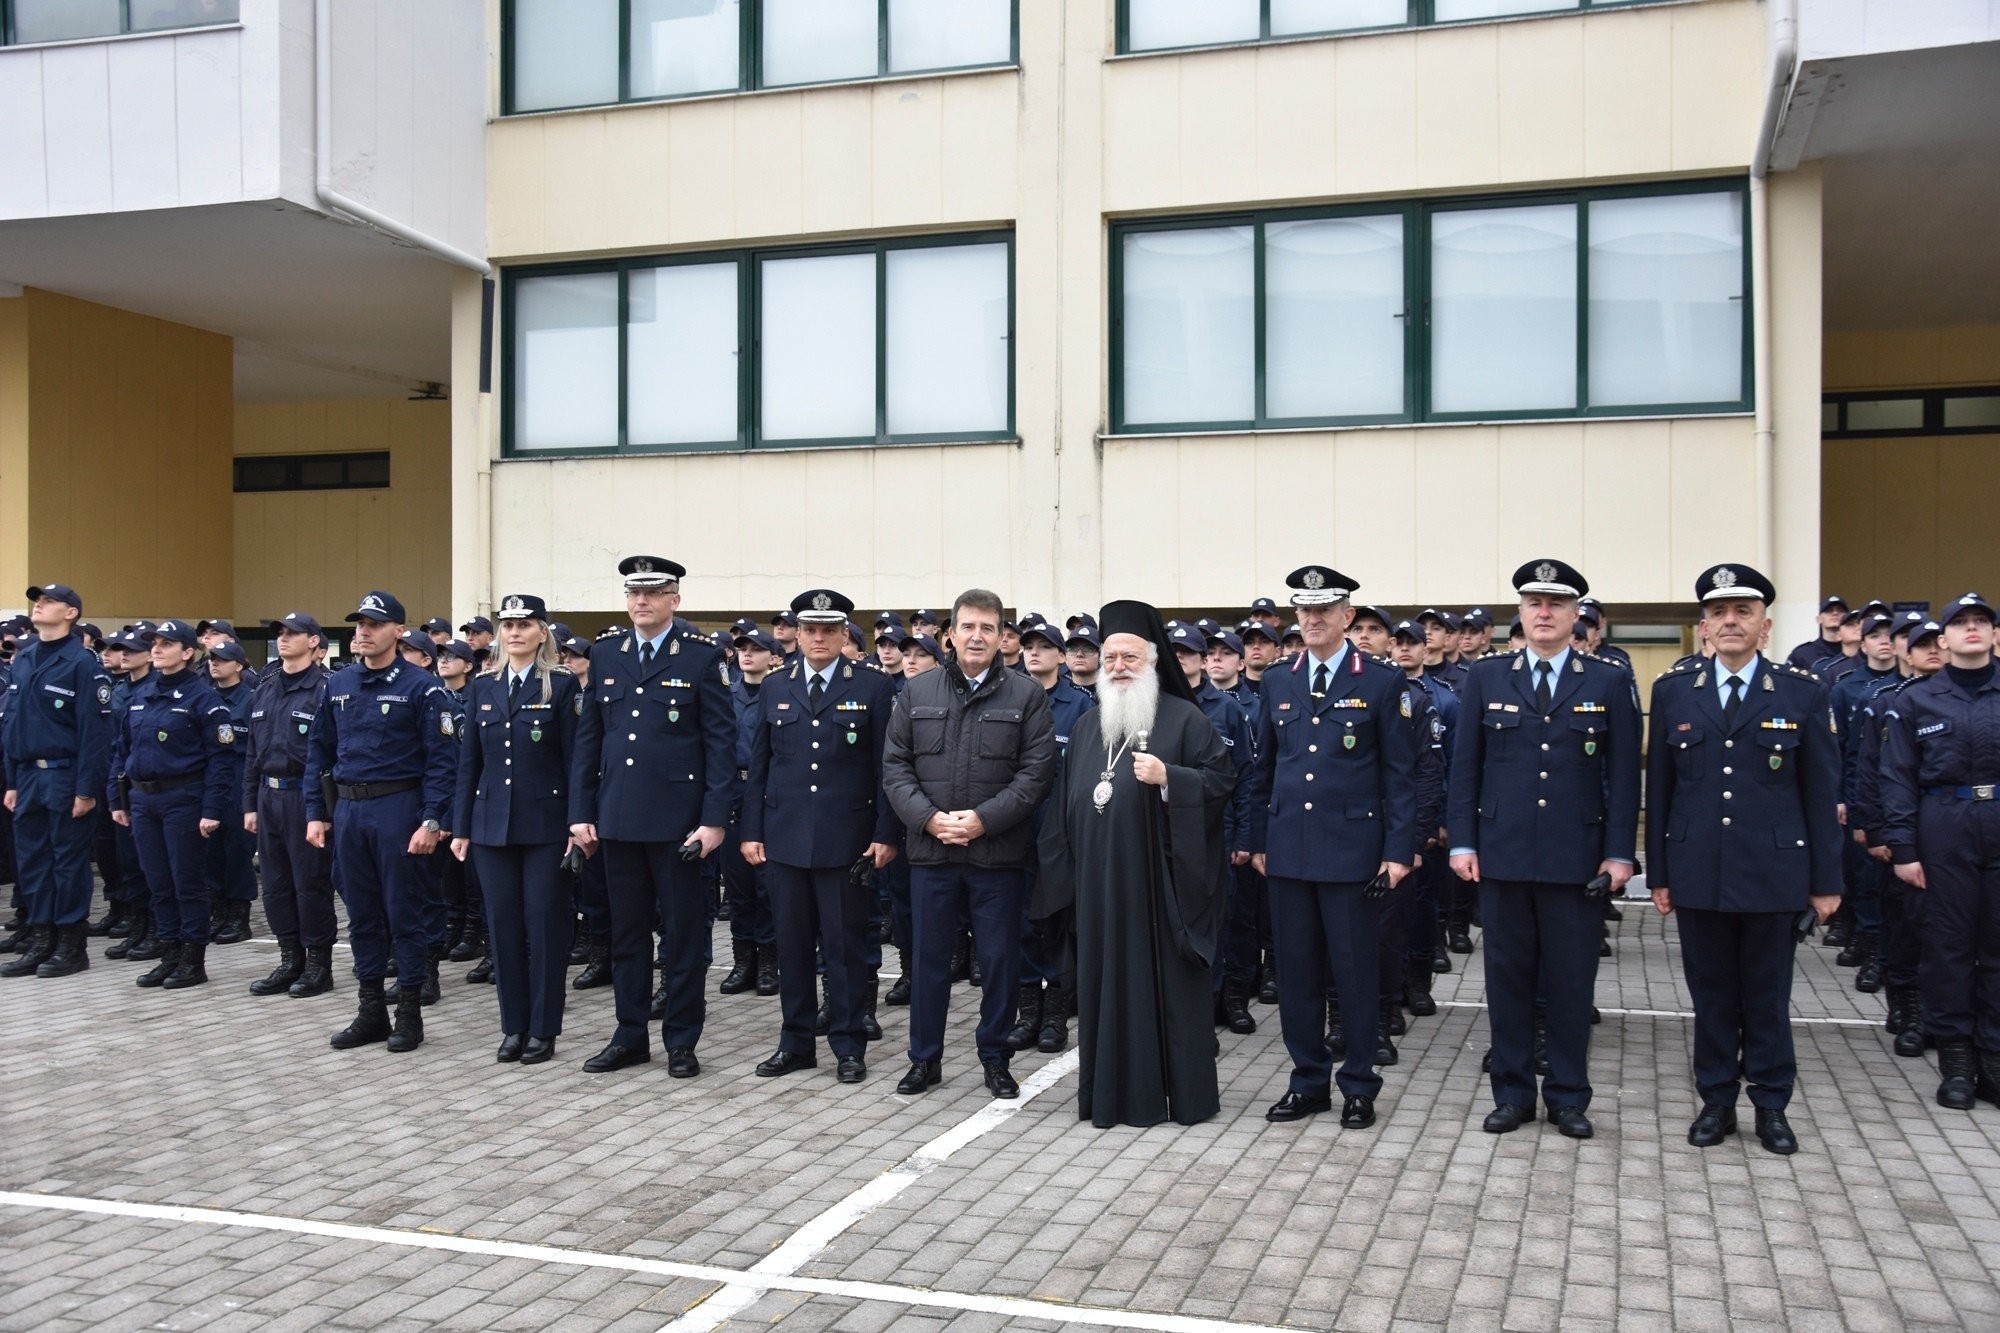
(1178, 25)
(558, 54)
(892, 342)
(1606, 302)
(26, 21)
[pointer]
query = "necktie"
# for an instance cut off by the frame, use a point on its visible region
(513, 689)
(815, 692)
(1543, 694)
(1735, 698)
(645, 656)
(1319, 679)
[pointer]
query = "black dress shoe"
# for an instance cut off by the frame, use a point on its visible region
(784, 1062)
(999, 1082)
(510, 1047)
(1506, 1118)
(852, 1069)
(1712, 1126)
(923, 1075)
(1571, 1122)
(1357, 1113)
(681, 1063)
(1775, 1133)
(614, 1056)
(1297, 1106)
(538, 1050)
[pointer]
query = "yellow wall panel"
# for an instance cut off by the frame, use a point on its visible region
(638, 193)
(769, 190)
(1375, 127)
(14, 472)
(574, 194)
(1912, 358)
(836, 193)
(1142, 110)
(1541, 101)
(1458, 100)
(1627, 93)
(981, 130)
(1218, 123)
(908, 165)
(1297, 110)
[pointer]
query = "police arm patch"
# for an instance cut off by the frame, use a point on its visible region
(446, 724)
(103, 693)
(1404, 706)
(225, 734)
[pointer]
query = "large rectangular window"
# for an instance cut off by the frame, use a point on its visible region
(1173, 25)
(78, 20)
(1619, 301)
(571, 53)
(903, 341)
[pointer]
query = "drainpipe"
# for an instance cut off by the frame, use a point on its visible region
(1780, 69)
(332, 199)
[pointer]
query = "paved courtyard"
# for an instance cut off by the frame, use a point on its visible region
(203, 1160)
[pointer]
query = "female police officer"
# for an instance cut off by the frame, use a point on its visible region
(510, 813)
(173, 785)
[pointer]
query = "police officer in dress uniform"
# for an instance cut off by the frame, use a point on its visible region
(1333, 811)
(815, 819)
(380, 765)
(1546, 800)
(298, 877)
(1742, 838)
(56, 742)
(653, 774)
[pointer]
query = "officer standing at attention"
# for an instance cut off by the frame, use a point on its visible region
(231, 872)
(380, 765)
(1742, 835)
(813, 812)
(653, 775)
(298, 877)
(56, 743)
(1940, 790)
(1546, 799)
(1333, 813)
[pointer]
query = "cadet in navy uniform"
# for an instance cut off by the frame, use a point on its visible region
(653, 775)
(813, 811)
(176, 780)
(231, 872)
(1940, 788)
(511, 815)
(298, 877)
(1333, 808)
(753, 936)
(1742, 835)
(1545, 800)
(56, 739)
(380, 765)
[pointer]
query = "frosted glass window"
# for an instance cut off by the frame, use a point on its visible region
(1829, 418)
(1448, 10)
(1972, 412)
(1152, 25)
(685, 46)
(153, 15)
(818, 348)
(566, 362)
(681, 354)
(1189, 319)
(565, 53)
(947, 339)
(64, 20)
(1666, 300)
(1503, 309)
(1333, 316)
(819, 41)
(1292, 17)
(944, 34)
(1885, 414)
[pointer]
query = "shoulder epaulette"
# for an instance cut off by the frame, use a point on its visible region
(1677, 669)
(560, 671)
(1800, 672)
(1492, 653)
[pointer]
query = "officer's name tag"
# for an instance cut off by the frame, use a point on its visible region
(256, 714)
(1933, 729)
(1587, 708)
(70, 694)
(1503, 708)
(486, 708)
(1778, 724)
(783, 707)
(1284, 708)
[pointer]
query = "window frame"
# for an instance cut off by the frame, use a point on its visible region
(1421, 14)
(1417, 340)
(749, 371)
(125, 28)
(294, 465)
(749, 60)
(1933, 412)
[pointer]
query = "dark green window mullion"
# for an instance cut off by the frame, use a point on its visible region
(752, 368)
(1263, 35)
(750, 45)
(1417, 265)
(882, 334)
(1750, 385)
(624, 95)
(624, 355)
(1416, 314)
(1012, 344)
(124, 16)
(1121, 37)
(1259, 309)
(881, 39)
(1582, 306)
(1423, 12)
(746, 353)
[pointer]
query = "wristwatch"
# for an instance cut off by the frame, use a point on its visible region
(432, 826)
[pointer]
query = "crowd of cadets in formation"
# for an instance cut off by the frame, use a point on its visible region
(1864, 658)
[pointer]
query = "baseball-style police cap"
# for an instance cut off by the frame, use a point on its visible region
(1319, 585)
(16, 625)
(1044, 631)
(88, 630)
(1258, 628)
(230, 651)
(1905, 622)
(1374, 613)
(822, 606)
(763, 639)
(1965, 605)
(1555, 577)
(523, 606)
(1722, 583)
(921, 617)
(1291, 632)
(650, 571)
(476, 625)
(1514, 627)
(1208, 625)
(1877, 621)
(417, 639)
(1832, 601)
(1875, 606)
(856, 637)
(1262, 605)
(1587, 613)
(1228, 640)
(1929, 629)
(437, 625)
(381, 606)
(1445, 618)
(59, 592)
(785, 618)
(923, 641)
(574, 647)
(173, 631)
(219, 626)
(1478, 617)
(460, 649)
(1186, 638)
(1083, 634)
(1408, 629)
(298, 622)
(1081, 619)
(742, 626)
(887, 618)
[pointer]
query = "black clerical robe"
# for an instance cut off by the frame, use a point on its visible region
(1146, 879)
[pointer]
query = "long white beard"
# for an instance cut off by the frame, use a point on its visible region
(1124, 711)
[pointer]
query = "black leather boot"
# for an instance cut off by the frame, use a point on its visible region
(1267, 979)
(767, 969)
(149, 943)
(961, 958)
(1336, 1031)
(454, 929)
(190, 969)
(743, 968)
(1236, 1007)
(138, 925)
(471, 942)
(1027, 1017)
(1957, 1070)
(71, 954)
(1385, 1049)
(824, 1018)
(1417, 988)
(235, 923)
(579, 943)
(597, 971)
(408, 1034)
(899, 990)
(430, 992)
(1392, 1019)
(291, 963)
(1860, 947)
(1839, 932)
(1895, 1020)
(110, 922)
(482, 971)
(37, 944)
(1986, 1084)
(871, 1027)
(371, 1020)
(170, 957)
(1055, 1019)
(316, 973)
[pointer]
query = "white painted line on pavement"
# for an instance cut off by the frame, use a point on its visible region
(1011, 1307)
(1684, 1013)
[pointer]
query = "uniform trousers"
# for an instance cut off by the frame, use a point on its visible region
(1541, 945)
(942, 899)
(591, 898)
(749, 900)
(382, 884)
(1959, 845)
(528, 917)
(648, 881)
(1326, 932)
(819, 907)
(51, 850)
(1864, 885)
(1738, 967)
(228, 865)
(298, 877)
(1242, 947)
(166, 827)
(1902, 929)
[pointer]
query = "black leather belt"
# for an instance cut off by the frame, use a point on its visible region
(167, 784)
(368, 791)
(48, 763)
(282, 784)
(1982, 792)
